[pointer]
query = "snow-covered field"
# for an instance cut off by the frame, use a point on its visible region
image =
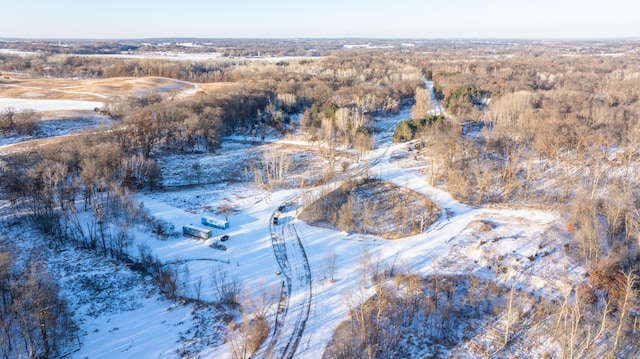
(20, 104)
(120, 315)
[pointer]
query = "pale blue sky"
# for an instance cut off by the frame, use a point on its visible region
(327, 18)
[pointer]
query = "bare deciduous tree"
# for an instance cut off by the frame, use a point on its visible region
(423, 102)
(627, 302)
(227, 289)
(262, 302)
(274, 170)
(330, 264)
(245, 339)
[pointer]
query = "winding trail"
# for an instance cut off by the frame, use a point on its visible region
(293, 311)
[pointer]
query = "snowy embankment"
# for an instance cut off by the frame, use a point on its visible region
(20, 104)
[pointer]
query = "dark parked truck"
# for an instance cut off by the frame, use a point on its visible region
(196, 231)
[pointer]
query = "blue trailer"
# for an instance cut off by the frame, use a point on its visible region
(215, 222)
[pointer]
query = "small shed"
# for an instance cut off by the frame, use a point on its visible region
(196, 231)
(215, 222)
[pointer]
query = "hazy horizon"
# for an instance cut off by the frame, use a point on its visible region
(330, 19)
(436, 39)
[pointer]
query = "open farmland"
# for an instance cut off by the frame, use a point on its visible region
(92, 89)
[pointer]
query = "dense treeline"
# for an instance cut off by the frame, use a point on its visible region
(337, 94)
(75, 66)
(194, 124)
(224, 47)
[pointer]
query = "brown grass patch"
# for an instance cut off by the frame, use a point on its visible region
(41, 144)
(214, 86)
(482, 225)
(93, 89)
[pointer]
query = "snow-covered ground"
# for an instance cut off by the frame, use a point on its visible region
(120, 315)
(250, 254)
(145, 325)
(20, 104)
(152, 328)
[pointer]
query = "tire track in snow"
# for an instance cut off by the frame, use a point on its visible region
(291, 315)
